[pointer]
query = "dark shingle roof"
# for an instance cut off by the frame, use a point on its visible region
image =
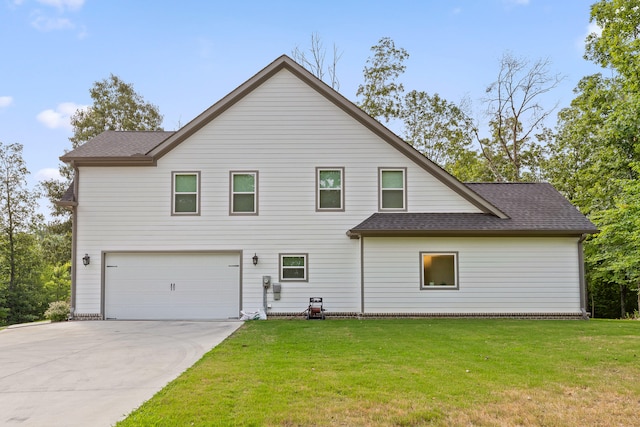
(119, 144)
(533, 208)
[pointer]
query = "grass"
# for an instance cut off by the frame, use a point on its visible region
(409, 372)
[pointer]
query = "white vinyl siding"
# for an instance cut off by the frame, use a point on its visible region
(496, 275)
(287, 130)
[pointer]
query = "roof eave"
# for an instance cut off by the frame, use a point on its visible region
(142, 160)
(66, 203)
(354, 233)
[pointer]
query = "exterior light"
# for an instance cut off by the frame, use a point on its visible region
(86, 259)
(255, 259)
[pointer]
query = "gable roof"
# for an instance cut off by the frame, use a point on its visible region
(533, 209)
(112, 148)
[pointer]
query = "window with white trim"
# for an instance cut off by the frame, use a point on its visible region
(439, 270)
(393, 194)
(330, 189)
(185, 193)
(244, 193)
(293, 268)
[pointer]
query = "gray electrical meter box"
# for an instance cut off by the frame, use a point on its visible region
(277, 288)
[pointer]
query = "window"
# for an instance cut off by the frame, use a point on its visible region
(244, 193)
(330, 195)
(392, 189)
(439, 270)
(186, 193)
(293, 267)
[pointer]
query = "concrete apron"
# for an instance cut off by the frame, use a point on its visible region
(94, 373)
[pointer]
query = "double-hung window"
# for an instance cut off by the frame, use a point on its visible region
(244, 193)
(294, 268)
(185, 193)
(330, 189)
(393, 189)
(439, 270)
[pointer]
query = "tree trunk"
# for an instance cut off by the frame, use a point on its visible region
(623, 300)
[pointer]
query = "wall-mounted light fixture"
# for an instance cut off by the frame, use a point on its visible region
(255, 259)
(86, 259)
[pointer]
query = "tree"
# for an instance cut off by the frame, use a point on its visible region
(315, 62)
(19, 263)
(381, 94)
(618, 46)
(437, 128)
(116, 106)
(517, 118)
(595, 155)
(613, 255)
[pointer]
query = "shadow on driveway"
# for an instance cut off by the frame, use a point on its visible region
(94, 373)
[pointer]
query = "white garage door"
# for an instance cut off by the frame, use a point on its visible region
(172, 286)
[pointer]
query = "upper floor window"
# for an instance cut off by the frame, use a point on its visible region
(393, 189)
(244, 193)
(330, 189)
(186, 193)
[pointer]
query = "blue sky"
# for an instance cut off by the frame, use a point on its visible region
(185, 55)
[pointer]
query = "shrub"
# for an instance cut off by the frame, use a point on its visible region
(58, 311)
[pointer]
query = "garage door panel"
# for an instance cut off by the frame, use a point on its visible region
(172, 285)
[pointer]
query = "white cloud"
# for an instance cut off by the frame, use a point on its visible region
(591, 28)
(62, 4)
(45, 23)
(5, 101)
(594, 28)
(47, 174)
(60, 117)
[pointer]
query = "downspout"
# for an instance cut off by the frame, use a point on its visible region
(583, 281)
(74, 241)
(362, 275)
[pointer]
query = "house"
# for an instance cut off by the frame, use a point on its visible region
(286, 183)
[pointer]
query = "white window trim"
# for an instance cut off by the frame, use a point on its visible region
(404, 189)
(318, 190)
(281, 267)
(456, 268)
(174, 193)
(232, 193)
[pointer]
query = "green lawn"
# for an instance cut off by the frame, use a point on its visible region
(409, 372)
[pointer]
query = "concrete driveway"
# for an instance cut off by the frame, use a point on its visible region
(94, 373)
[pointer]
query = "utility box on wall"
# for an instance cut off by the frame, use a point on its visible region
(277, 288)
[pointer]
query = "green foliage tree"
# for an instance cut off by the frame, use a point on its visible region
(613, 255)
(381, 93)
(439, 129)
(57, 282)
(595, 155)
(20, 263)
